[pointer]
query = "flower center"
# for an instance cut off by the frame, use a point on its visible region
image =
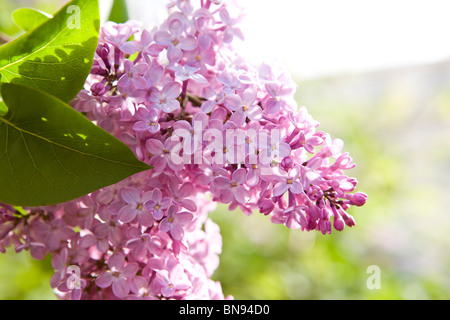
(170, 219)
(290, 181)
(234, 184)
(153, 124)
(157, 207)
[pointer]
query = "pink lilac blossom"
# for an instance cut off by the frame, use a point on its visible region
(149, 236)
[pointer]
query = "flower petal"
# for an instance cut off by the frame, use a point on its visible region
(127, 213)
(280, 188)
(171, 105)
(104, 280)
(120, 287)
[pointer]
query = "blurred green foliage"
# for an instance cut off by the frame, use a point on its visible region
(395, 125)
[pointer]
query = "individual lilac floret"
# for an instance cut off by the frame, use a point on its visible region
(232, 188)
(157, 204)
(133, 76)
(135, 207)
(117, 275)
(171, 281)
(118, 35)
(166, 98)
(289, 182)
(175, 221)
(175, 41)
(244, 107)
(149, 120)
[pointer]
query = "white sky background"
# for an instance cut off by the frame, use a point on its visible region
(323, 37)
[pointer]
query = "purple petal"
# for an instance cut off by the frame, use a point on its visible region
(241, 194)
(280, 188)
(249, 96)
(140, 82)
(199, 78)
(158, 163)
(182, 125)
(272, 106)
(127, 213)
(130, 196)
(184, 217)
(167, 291)
(154, 146)
(145, 219)
(233, 102)
(254, 113)
(158, 214)
(129, 270)
(56, 279)
(186, 190)
(140, 68)
(129, 47)
(146, 38)
(147, 196)
(163, 37)
(189, 204)
(239, 176)
(177, 232)
(208, 106)
(124, 81)
(272, 89)
(238, 117)
(296, 187)
(104, 280)
(141, 126)
(171, 106)
(284, 150)
(165, 203)
(189, 43)
(222, 182)
(156, 195)
(226, 196)
(143, 113)
(128, 65)
(164, 225)
(174, 54)
(120, 288)
(204, 42)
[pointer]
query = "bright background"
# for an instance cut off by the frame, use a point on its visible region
(373, 73)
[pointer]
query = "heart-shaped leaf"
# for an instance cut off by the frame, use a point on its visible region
(57, 56)
(50, 153)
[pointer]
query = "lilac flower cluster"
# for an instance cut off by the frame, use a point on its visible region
(149, 236)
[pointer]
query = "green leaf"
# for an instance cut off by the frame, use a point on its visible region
(27, 18)
(119, 12)
(57, 56)
(50, 153)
